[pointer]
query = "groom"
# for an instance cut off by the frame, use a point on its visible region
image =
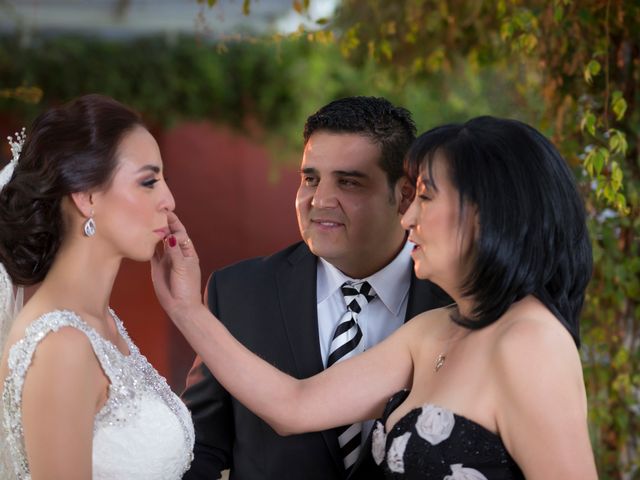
(288, 307)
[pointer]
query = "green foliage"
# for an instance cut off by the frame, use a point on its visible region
(243, 85)
(263, 88)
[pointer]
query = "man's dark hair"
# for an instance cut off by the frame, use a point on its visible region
(388, 126)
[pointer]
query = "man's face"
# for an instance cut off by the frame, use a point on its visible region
(347, 213)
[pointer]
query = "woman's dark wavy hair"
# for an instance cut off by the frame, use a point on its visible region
(532, 237)
(71, 148)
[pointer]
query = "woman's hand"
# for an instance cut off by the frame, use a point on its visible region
(175, 272)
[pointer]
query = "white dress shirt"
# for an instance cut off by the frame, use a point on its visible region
(379, 318)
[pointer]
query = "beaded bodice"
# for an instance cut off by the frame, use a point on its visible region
(431, 442)
(143, 431)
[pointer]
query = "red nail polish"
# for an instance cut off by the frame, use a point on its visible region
(172, 241)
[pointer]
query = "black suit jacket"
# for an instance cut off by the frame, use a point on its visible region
(269, 304)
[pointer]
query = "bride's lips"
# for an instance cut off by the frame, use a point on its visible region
(162, 232)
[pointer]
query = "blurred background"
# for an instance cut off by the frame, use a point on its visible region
(225, 87)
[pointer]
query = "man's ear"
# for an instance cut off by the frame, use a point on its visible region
(83, 202)
(405, 191)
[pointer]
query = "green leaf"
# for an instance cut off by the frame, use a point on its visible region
(212, 3)
(588, 163)
(385, 48)
(501, 8)
(609, 193)
(435, 59)
(592, 68)
(621, 358)
(322, 21)
(246, 7)
(529, 42)
(558, 13)
(506, 30)
(617, 142)
(621, 204)
(599, 160)
(618, 104)
(589, 123)
(616, 176)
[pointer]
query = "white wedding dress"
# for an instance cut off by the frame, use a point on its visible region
(142, 432)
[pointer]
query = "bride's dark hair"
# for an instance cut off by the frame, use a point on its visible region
(71, 148)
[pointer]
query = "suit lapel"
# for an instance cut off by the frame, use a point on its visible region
(296, 282)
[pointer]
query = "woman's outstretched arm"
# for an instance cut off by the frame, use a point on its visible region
(352, 390)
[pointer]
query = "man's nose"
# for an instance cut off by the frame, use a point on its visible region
(324, 196)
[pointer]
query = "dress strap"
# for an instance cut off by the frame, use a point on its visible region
(19, 360)
(133, 349)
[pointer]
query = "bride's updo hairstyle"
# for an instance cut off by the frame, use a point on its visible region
(71, 148)
(531, 236)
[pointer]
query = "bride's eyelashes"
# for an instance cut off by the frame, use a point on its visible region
(149, 183)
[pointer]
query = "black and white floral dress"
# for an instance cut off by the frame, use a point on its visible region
(431, 442)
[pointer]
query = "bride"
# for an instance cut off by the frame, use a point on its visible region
(78, 400)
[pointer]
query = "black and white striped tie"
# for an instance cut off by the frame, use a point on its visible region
(347, 342)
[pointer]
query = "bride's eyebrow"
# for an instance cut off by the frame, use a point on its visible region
(154, 168)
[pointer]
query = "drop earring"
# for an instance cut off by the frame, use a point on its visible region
(90, 226)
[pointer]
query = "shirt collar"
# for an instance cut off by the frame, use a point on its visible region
(391, 283)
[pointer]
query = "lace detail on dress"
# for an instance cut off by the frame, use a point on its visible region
(151, 379)
(143, 430)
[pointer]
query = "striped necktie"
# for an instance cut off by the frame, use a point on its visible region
(347, 342)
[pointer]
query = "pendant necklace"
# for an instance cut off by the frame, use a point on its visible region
(442, 357)
(440, 362)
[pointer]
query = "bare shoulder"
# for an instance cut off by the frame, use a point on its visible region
(429, 322)
(529, 333)
(429, 326)
(66, 358)
(64, 364)
(64, 347)
(65, 344)
(63, 341)
(536, 360)
(540, 398)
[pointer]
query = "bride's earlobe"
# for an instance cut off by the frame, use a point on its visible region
(83, 201)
